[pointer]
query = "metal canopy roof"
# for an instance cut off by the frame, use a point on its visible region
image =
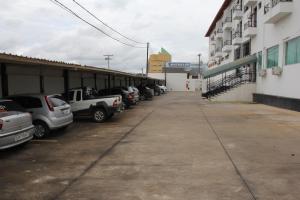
(22, 60)
(230, 66)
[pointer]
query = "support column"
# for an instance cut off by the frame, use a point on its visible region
(81, 79)
(95, 81)
(114, 81)
(4, 80)
(42, 84)
(66, 83)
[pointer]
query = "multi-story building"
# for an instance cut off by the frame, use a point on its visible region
(256, 42)
(157, 62)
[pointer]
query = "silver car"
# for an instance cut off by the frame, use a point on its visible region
(135, 92)
(49, 112)
(15, 124)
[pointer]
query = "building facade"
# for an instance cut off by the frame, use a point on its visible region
(262, 36)
(158, 61)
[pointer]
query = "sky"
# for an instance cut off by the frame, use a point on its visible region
(42, 29)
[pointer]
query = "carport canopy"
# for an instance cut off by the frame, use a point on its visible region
(230, 66)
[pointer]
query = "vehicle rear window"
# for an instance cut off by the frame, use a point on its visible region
(57, 101)
(6, 106)
(28, 102)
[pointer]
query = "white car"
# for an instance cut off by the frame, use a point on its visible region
(163, 89)
(84, 103)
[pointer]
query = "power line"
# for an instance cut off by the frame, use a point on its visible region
(97, 28)
(105, 24)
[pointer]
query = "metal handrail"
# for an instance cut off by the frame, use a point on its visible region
(241, 76)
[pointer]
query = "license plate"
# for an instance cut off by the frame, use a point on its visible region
(22, 136)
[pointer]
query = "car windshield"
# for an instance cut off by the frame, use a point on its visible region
(6, 106)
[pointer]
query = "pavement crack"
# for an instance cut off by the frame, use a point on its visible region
(228, 155)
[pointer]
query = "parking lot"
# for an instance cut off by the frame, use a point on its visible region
(177, 146)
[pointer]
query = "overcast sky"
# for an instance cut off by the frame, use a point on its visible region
(39, 28)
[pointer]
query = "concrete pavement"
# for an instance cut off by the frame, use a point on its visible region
(175, 147)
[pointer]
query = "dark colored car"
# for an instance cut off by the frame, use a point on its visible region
(128, 98)
(145, 92)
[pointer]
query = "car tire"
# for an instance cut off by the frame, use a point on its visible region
(41, 129)
(99, 115)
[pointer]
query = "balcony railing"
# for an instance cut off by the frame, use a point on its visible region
(228, 19)
(218, 49)
(227, 42)
(272, 4)
(250, 24)
(237, 7)
(219, 30)
(237, 34)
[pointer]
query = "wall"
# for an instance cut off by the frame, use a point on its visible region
(269, 35)
(23, 81)
(242, 93)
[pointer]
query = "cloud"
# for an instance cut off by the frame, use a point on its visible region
(42, 29)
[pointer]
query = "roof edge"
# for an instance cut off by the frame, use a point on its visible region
(218, 17)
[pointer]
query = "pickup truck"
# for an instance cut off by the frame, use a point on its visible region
(86, 103)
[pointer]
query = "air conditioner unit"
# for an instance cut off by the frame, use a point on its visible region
(262, 73)
(277, 71)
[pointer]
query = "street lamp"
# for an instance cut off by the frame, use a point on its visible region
(199, 55)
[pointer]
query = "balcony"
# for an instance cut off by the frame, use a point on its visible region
(250, 2)
(212, 41)
(227, 24)
(276, 10)
(237, 38)
(227, 46)
(219, 34)
(250, 29)
(218, 52)
(237, 13)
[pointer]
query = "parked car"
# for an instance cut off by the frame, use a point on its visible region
(15, 124)
(157, 90)
(49, 112)
(85, 102)
(127, 97)
(135, 92)
(163, 89)
(145, 92)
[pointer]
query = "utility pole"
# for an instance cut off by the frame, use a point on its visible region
(108, 58)
(199, 64)
(147, 62)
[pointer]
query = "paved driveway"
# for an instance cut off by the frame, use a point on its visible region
(175, 147)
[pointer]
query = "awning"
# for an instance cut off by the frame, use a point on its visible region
(230, 66)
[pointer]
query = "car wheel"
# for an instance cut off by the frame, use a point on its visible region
(41, 129)
(99, 115)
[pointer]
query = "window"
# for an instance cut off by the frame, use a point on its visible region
(6, 106)
(28, 102)
(78, 96)
(259, 60)
(272, 57)
(57, 101)
(293, 51)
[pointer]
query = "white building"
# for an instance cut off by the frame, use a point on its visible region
(180, 77)
(256, 42)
